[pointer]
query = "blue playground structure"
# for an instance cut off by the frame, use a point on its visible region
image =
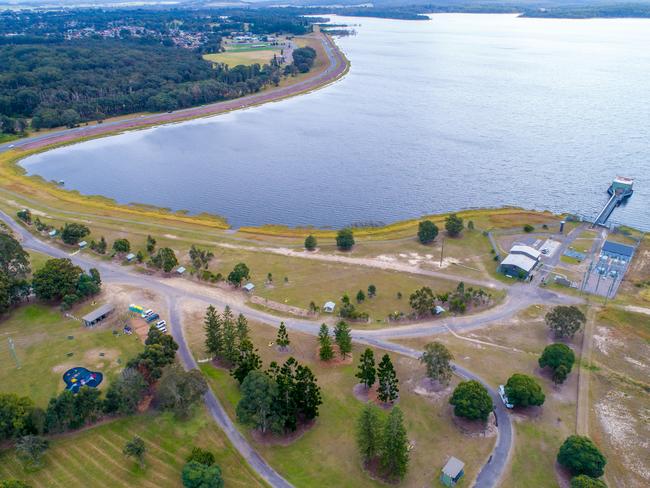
(77, 377)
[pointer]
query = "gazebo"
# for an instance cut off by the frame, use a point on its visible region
(452, 472)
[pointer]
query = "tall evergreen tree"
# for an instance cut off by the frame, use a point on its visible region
(284, 377)
(282, 339)
(242, 328)
(394, 451)
(306, 393)
(369, 433)
(388, 381)
(213, 332)
(325, 351)
(367, 373)
(247, 361)
(342, 338)
(230, 352)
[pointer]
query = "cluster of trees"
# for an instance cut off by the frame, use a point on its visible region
(201, 471)
(454, 225)
(226, 337)
(383, 441)
(427, 232)
(85, 80)
(384, 374)
(14, 271)
(164, 259)
(423, 301)
(303, 58)
(238, 274)
(276, 400)
(61, 281)
(200, 257)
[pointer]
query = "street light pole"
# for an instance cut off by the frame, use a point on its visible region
(442, 249)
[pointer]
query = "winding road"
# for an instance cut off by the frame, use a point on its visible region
(520, 296)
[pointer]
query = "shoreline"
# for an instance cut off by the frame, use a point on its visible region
(15, 179)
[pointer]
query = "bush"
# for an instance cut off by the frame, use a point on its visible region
(524, 391)
(197, 475)
(471, 401)
(73, 233)
(584, 481)
(560, 358)
(581, 456)
(121, 246)
(427, 232)
(454, 225)
(565, 321)
(528, 228)
(201, 456)
(310, 242)
(345, 239)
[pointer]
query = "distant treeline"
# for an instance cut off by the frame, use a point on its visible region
(632, 10)
(67, 83)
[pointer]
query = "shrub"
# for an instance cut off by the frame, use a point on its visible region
(524, 391)
(345, 239)
(581, 456)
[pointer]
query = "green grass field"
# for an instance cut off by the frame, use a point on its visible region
(235, 57)
(40, 334)
(93, 457)
(326, 455)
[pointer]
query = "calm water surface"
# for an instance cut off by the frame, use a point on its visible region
(461, 111)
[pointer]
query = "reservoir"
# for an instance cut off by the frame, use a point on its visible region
(456, 112)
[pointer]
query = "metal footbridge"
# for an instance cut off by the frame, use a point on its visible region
(620, 190)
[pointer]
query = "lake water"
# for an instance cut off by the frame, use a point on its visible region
(457, 112)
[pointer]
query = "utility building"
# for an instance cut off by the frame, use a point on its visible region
(520, 262)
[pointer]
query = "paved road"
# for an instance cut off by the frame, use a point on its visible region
(520, 297)
(336, 67)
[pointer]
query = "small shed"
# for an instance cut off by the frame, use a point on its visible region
(130, 256)
(52, 233)
(82, 244)
(329, 307)
(97, 315)
(439, 310)
(249, 287)
(452, 472)
(180, 270)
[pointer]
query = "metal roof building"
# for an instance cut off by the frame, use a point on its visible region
(98, 315)
(513, 263)
(452, 472)
(617, 250)
(529, 251)
(329, 307)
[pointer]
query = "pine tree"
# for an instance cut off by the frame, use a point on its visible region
(367, 373)
(343, 339)
(242, 328)
(306, 393)
(394, 449)
(325, 352)
(388, 381)
(230, 352)
(247, 361)
(213, 332)
(282, 339)
(369, 433)
(285, 406)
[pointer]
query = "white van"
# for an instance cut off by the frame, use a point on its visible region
(504, 398)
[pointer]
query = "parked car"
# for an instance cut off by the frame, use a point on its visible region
(146, 313)
(152, 317)
(504, 398)
(161, 323)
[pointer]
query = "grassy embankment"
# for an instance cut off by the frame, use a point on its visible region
(539, 432)
(93, 457)
(326, 455)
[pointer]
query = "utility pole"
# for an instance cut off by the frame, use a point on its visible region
(12, 348)
(442, 249)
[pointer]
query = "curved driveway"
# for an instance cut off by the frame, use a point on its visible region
(520, 297)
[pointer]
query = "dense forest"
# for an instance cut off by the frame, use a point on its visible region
(66, 67)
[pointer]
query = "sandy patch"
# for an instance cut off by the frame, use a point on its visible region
(626, 436)
(604, 340)
(636, 363)
(62, 368)
(170, 236)
(429, 388)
